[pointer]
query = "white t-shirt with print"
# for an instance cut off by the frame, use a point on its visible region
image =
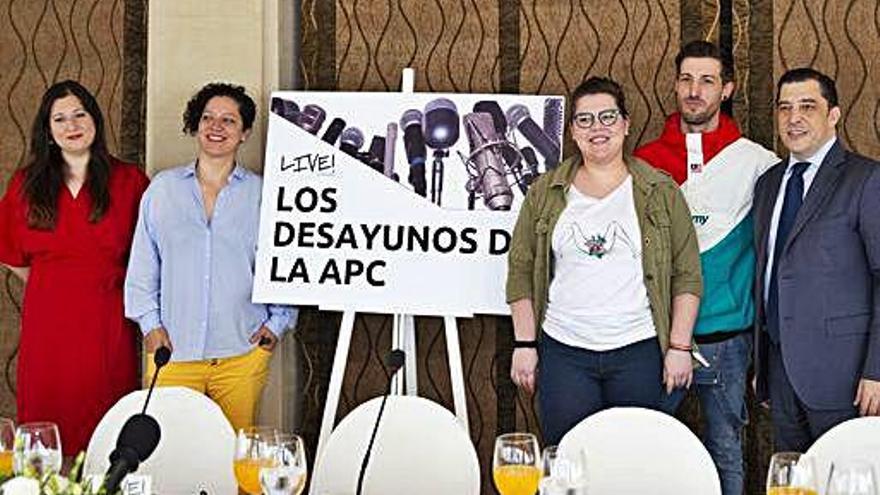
(598, 300)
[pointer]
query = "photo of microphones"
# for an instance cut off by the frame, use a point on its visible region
(503, 150)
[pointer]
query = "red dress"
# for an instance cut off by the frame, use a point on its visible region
(77, 352)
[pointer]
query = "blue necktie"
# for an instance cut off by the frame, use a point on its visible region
(791, 203)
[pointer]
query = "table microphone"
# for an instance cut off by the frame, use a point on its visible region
(160, 359)
(394, 360)
(138, 437)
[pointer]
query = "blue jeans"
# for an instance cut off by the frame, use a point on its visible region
(574, 383)
(721, 389)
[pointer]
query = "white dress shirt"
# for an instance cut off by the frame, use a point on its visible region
(809, 174)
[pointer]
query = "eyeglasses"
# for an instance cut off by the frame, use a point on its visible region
(585, 120)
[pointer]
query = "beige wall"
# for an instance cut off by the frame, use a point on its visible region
(247, 42)
(190, 44)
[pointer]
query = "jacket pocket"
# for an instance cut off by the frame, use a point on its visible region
(857, 324)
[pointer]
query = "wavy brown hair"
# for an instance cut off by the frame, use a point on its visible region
(44, 170)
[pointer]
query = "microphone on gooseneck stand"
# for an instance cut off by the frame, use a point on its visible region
(138, 437)
(394, 360)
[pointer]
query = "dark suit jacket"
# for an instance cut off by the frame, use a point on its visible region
(829, 281)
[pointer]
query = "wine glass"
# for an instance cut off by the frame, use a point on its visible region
(564, 474)
(37, 449)
(851, 478)
(7, 441)
(516, 464)
(288, 474)
(791, 473)
(253, 451)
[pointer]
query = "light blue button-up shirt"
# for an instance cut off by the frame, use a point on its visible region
(193, 275)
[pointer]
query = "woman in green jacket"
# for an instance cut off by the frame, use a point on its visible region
(603, 275)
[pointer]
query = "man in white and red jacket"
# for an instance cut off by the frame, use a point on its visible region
(717, 168)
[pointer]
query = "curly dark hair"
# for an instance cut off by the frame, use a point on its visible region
(44, 169)
(196, 105)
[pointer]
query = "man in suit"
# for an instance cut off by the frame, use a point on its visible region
(817, 234)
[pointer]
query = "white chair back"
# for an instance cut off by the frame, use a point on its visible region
(195, 451)
(420, 448)
(637, 451)
(856, 439)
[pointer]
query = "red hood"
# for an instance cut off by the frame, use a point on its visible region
(669, 151)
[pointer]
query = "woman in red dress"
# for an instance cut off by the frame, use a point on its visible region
(66, 223)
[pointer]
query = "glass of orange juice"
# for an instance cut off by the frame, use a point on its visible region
(253, 451)
(7, 440)
(791, 473)
(516, 465)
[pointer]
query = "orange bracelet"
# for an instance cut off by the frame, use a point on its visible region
(683, 348)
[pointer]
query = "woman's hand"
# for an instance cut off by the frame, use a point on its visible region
(523, 368)
(155, 339)
(677, 370)
(264, 338)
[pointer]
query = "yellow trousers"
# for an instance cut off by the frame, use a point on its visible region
(234, 383)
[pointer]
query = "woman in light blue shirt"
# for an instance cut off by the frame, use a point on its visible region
(191, 269)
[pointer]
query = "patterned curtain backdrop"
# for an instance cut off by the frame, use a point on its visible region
(841, 39)
(531, 46)
(101, 43)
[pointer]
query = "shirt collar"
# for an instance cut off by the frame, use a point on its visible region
(816, 159)
(238, 172)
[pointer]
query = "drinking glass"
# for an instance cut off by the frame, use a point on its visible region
(851, 478)
(37, 449)
(791, 473)
(7, 440)
(253, 451)
(516, 464)
(564, 474)
(288, 474)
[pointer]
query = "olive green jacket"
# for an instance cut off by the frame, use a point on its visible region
(670, 255)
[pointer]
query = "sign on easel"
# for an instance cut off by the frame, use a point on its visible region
(398, 202)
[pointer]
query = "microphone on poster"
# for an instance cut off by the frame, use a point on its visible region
(388, 161)
(287, 109)
(554, 119)
(414, 145)
(351, 141)
(441, 124)
(485, 164)
(518, 117)
(311, 118)
(333, 131)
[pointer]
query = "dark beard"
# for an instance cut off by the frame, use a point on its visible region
(697, 119)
